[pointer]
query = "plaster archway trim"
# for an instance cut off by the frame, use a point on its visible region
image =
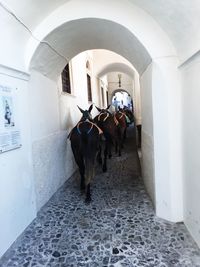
(137, 21)
(120, 90)
(80, 35)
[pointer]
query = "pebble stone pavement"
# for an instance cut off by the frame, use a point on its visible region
(118, 229)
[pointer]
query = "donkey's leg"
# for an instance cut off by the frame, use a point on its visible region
(110, 149)
(124, 137)
(89, 177)
(116, 146)
(105, 156)
(82, 173)
(120, 148)
(88, 194)
(119, 141)
(99, 158)
(80, 162)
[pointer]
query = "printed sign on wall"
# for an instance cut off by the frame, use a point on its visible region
(9, 132)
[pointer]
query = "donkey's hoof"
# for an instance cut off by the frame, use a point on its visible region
(88, 200)
(82, 188)
(104, 169)
(110, 156)
(99, 161)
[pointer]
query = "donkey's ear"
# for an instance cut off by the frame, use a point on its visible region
(90, 108)
(81, 110)
(108, 106)
(98, 109)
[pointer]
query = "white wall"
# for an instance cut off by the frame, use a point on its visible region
(191, 145)
(161, 137)
(147, 133)
(48, 141)
(56, 114)
(166, 96)
(32, 174)
(17, 196)
(69, 113)
(137, 97)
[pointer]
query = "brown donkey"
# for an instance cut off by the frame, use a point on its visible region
(85, 141)
(121, 118)
(109, 125)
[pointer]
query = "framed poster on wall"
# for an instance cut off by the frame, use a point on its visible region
(9, 131)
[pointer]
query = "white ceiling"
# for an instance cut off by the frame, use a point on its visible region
(80, 35)
(178, 18)
(117, 67)
(32, 12)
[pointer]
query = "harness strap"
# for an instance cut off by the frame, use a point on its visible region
(99, 117)
(91, 127)
(115, 120)
(121, 115)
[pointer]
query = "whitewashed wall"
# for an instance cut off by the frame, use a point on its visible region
(48, 141)
(161, 137)
(113, 84)
(166, 96)
(17, 196)
(32, 174)
(103, 83)
(56, 114)
(191, 145)
(147, 133)
(69, 113)
(137, 97)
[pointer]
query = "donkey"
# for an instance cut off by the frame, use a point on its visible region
(121, 118)
(109, 125)
(129, 116)
(85, 141)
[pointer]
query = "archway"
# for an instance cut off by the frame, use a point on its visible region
(157, 67)
(75, 36)
(121, 98)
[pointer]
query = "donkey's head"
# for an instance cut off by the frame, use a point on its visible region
(86, 113)
(106, 110)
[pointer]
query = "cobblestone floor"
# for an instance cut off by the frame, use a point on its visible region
(119, 227)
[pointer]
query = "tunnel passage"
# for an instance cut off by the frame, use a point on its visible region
(148, 48)
(118, 227)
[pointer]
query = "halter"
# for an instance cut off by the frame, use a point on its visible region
(99, 117)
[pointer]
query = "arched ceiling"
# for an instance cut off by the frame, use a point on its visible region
(178, 19)
(85, 34)
(117, 67)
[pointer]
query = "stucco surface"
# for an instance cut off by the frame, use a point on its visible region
(53, 163)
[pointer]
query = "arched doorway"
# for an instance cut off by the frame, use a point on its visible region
(56, 38)
(122, 99)
(152, 75)
(152, 25)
